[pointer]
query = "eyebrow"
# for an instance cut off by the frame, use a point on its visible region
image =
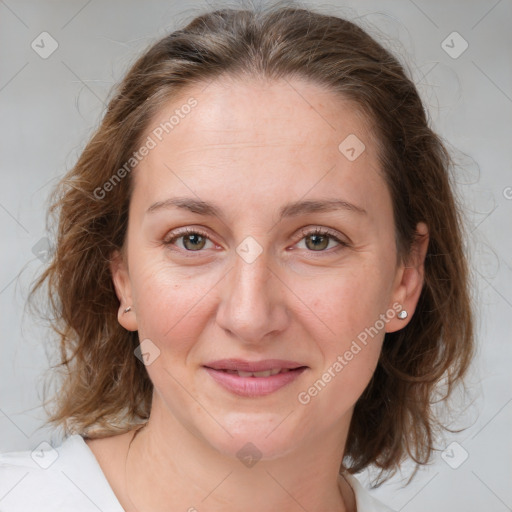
(293, 209)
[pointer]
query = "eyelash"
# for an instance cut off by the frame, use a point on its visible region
(305, 233)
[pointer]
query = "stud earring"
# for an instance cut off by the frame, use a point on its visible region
(129, 308)
(403, 314)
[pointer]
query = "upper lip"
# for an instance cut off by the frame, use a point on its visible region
(252, 366)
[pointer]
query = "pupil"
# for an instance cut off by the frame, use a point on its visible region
(317, 241)
(194, 239)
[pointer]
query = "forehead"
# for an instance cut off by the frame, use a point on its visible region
(275, 137)
(231, 111)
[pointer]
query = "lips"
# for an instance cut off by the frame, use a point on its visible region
(263, 373)
(254, 378)
(254, 366)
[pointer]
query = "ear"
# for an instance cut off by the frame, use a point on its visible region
(122, 285)
(409, 280)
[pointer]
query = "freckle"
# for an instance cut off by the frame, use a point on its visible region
(315, 303)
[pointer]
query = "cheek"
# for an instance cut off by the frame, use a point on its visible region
(170, 306)
(345, 302)
(346, 326)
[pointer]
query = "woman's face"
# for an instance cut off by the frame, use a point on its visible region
(258, 168)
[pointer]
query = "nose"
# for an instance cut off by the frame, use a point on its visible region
(253, 304)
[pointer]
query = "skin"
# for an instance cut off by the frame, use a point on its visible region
(251, 147)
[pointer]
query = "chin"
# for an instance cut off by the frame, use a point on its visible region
(262, 436)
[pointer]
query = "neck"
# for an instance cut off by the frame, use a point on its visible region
(167, 464)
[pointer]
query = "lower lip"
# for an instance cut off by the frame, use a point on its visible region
(253, 386)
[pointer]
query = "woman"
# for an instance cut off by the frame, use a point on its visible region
(259, 280)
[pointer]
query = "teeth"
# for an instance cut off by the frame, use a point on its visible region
(265, 373)
(253, 374)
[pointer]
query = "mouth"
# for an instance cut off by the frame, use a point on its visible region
(263, 373)
(251, 379)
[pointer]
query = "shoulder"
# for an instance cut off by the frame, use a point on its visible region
(62, 478)
(365, 502)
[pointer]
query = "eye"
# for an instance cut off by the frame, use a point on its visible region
(193, 239)
(318, 240)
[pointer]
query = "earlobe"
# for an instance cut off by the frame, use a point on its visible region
(410, 279)
(121, 279)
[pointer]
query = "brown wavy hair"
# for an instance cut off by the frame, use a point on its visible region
(104, 389)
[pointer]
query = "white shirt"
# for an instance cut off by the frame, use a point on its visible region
(68, 478)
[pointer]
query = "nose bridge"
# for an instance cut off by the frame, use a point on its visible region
(252, 304)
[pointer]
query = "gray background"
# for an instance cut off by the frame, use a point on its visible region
(49, 107)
